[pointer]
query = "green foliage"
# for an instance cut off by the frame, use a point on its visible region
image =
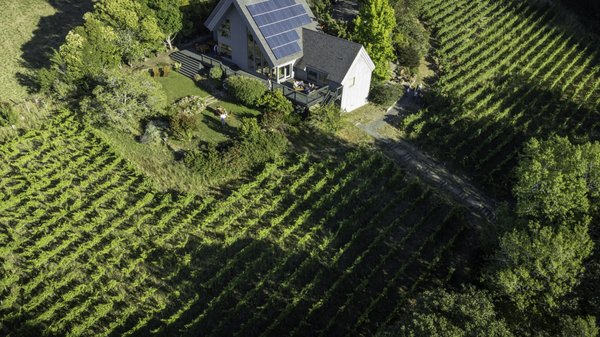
(216, 73)
(121, 100)
(138, 30)
(184, 125)
(438, 313)
(408, 56)
(275, 101)
(411, 37)
(169, 17)
(552, 179)
(537, 266)
(247, 90)
(254, 147)
(374, 27)
(385, 94)
(8, 115)
(578, 327)
(326, 118)
(186, 116)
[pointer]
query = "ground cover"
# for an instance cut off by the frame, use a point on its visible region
(30, 29)
(304, 247)
(509, 72)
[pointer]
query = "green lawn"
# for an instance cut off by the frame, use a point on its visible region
(177, 86)
(31, 29)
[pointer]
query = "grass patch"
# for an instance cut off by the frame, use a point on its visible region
(31, 29)
(177, 86)
(19, 21)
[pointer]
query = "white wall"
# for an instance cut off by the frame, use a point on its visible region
(355, 96)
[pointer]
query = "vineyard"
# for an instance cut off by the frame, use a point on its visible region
(508, 72)
(304, 248)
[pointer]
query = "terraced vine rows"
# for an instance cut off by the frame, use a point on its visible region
(509, 72)
(304, 248)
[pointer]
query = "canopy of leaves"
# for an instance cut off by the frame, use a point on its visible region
(374, 27)
(552, 180)
(247, 90)
(536, 267)
(137, 27)
(326, 117)
(121, 100)
(274, 101)
(439, 313)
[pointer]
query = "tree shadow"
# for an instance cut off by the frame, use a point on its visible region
(50, 34)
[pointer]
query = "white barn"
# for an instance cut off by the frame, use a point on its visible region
(278, 39)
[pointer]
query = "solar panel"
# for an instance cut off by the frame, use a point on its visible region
(281, 39)
(286, 50)
(277, 20)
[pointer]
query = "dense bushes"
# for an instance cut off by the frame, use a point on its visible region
(385, 94)
(245, 89)
(254, 146)
(274, 101)
(326, 118)
(121, 100)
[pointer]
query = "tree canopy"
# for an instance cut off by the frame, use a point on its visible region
(374, 27)
(439, 313)
(537, 266)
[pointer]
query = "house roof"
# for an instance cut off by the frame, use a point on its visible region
(241, 5)
(329, 54)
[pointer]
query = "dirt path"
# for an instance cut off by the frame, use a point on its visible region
(429, 169)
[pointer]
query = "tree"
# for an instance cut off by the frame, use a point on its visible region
(374, 27)
(274, 101)
(551, 180)
(169, 16)
(578, 326)
(439, 313)
(136, 25)
(121, 100)
(537, 266)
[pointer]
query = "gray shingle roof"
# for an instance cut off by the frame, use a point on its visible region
(327, 53)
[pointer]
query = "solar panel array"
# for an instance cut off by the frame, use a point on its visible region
(278, 20)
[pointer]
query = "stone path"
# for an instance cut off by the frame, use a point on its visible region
(429, 169)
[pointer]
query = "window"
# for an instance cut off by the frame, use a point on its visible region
(352, 82)
(225, 50)
(284, 72)
(225, 28)
(315, 76)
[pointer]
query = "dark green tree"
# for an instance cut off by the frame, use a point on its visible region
(439, 313)
(169, 17)
(534, 268)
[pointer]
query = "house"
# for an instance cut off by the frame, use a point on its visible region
(279, 39)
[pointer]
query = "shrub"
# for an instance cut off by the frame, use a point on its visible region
(122, 100)
(155, 72)
(8, 115)
(274, 101)
(408, 57)
(245, 89)
(153, 133)
(166, 70)
(184, 125)
(206, 160)
(385, 94)
(215, 73)
(327, 117)
(189, 104)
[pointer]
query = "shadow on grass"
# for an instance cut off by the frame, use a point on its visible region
(50, 34)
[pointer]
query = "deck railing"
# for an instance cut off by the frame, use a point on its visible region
(322, 95)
